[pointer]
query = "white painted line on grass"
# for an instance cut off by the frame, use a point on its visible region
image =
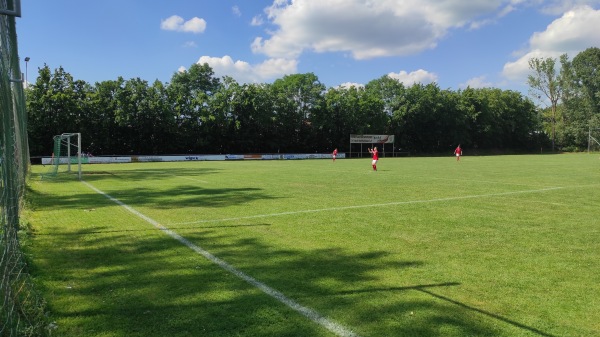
(307, 312)
(395, 203)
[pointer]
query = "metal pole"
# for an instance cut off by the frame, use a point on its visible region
(589, 139)
(26, 62)
(69, 153)
(79, 154)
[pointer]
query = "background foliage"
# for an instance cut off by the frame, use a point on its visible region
(198, 113)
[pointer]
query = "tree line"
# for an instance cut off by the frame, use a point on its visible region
(199, 113)
(572, 96)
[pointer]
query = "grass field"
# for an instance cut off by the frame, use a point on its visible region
(488, 246)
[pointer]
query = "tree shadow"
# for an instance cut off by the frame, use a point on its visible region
(180, 195)
(105, 283)
(138, 281)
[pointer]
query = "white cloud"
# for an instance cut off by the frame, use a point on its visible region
(558, 7)
(236, 11)
(190, 44)
(348, 85)
(257, 21)
(418, 76)
(368, 29)
(575, 31)
(477, 82)
(243, 72)
(177, 23)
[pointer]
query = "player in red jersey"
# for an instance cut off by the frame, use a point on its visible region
(458, 152)
(334, 154)
(375, 157)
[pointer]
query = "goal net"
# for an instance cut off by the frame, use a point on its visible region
(66, 155)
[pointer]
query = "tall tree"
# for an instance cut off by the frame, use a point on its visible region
(105, 136)
(296, 98)
(545, 84)
(586, 66)
(189, 93)
(581, 96)
(56, 104)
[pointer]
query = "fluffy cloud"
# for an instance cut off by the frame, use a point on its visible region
(177, 23)
(368, 29)
(418, 76)
(244, 72)
(558, 7)
(348, 85)
(236, 11)
(572, 33)
(477, 82)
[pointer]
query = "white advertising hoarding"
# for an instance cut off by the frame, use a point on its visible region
(379, 139)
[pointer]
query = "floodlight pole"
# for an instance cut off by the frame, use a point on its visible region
(26, 61)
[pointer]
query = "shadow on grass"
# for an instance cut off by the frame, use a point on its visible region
(115, 282)
(105, 230)
(185, 194)
(111, 283)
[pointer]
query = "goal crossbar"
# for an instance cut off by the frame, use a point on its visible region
(62, 153)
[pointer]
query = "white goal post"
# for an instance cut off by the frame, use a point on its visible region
(66, 152)
(593, 140)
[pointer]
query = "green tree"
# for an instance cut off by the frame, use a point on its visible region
(104, 135)
(545, 84)
(252, 113)
(296, 97)
(390, 91)
(188, 95)
(56, 104)
(220, 118)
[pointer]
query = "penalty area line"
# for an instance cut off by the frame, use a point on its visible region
(395, 203)
(311, 314)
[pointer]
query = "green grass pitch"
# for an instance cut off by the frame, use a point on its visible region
(488, 246)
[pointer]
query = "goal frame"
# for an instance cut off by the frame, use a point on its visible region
(592, 139)
(59, 158)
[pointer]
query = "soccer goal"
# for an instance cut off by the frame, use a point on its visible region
(594, 140)
(66, 155)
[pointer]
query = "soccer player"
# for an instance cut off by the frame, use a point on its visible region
(334, 154)
(375, 157)
(458, 152)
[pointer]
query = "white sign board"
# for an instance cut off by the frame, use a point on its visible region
(379, 139)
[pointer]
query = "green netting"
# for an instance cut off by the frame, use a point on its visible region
(66, 155)
(18, 313)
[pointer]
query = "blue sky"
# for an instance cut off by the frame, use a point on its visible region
(456, 43)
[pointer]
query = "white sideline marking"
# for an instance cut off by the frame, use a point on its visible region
(307, 312)
(395, 203)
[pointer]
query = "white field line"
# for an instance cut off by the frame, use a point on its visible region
(305, 311)
(395, 203)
